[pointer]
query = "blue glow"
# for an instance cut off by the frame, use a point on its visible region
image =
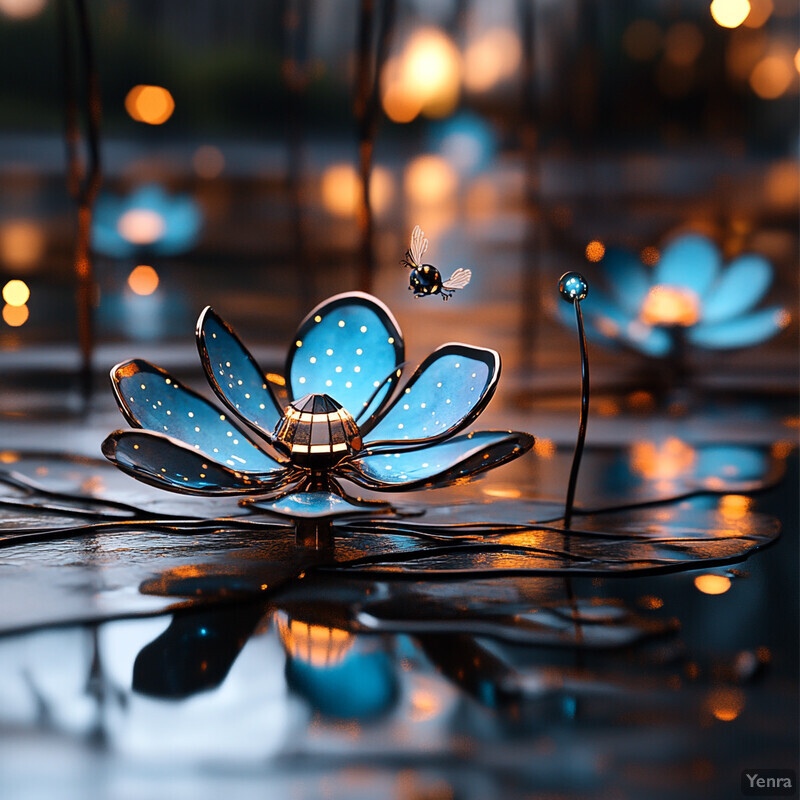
(180, 217)
(466, 140)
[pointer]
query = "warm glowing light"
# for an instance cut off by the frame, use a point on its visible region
(650, 256)
(429, 180)
(544, 448)
(670, 305)
(662, 461)
(22, 9)
(492, 57)
(760, 12)
(730, 13)
(683, 43)
(712, 584)
(9, 456)
(208, 161)
(16, 293)
(595, 250)
(141, 226)
(317, 645)
(735, 506)
(642, 39)
(505, 492)
(151, 104)
(342, 193)
(424, 79)
(22, 244)
(725, 703)
(15, 315)
(771, 77)
(143, 280)
(797, 60)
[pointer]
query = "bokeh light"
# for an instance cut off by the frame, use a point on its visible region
(725, 703)
(22, 244)
(342, 193)
(683, 43)
(151, 104)
(491, 58)
(424, 79)
(712, 584)
(430, 179)
(665, 460)
(143, 280)
(772, 76)
(15, 316)
(730, 13)
(21, 9)
(16, 293)
(649, 256)
(595, 250)
(141, 226)
(208, 161)
(760, 12)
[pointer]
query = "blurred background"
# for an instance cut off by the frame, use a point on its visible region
(526, 137)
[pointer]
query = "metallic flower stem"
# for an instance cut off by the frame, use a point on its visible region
(584, 414)
(83, 180)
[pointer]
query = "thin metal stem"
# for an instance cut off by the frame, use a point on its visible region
(584, 414)
(83, 180)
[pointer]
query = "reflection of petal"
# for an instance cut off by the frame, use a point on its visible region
(234, 374)
(169, 464)
(344, 348)
(627, 280)
(151, 398)
(439, 465)
(729, 464)
(448, 390)
(739, 288)
(310, 505)
(741, 331)
(691, 261)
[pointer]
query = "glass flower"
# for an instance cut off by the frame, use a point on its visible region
(339, 414)
(687, 294)
(147, 220)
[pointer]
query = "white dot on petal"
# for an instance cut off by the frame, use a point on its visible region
(422, 405)
(329, 383)
(405, 406)
(457, 365)
(341, 323)
(302, 380)
(329, 351)
(349, 385)
(376, 384)
(439, 385)
(318, 318)
(390, 340)
(363, 329)
(313, 359)
(359, 352)
(400, 426)
(356, 369)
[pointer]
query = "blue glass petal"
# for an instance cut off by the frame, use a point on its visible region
(310, 505)
(345, 348)
(169, 464)
(626, 278)
(234, 374)
(449, 462)
(448, 390)
(691, 261)
(651, 341)
(738, 289)
(742, 331)
(151, 398)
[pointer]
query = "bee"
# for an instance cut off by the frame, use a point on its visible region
(425, 278)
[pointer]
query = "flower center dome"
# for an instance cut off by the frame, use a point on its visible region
(317, 431)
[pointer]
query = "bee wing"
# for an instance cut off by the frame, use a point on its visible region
(419, 245)
(458, 280)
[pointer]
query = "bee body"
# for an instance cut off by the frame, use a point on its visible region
(426, 279)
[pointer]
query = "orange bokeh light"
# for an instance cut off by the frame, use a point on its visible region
(712, 584)
(772, 76)
(670, 305)
(141, 226)
(143, 280)
(15, 315)
(492, 57)
(151, 104)
(342, 193)
(595, 250)
(16, 293)
(208, 161)
(22, 244)
(430, 179)
(730, 13)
